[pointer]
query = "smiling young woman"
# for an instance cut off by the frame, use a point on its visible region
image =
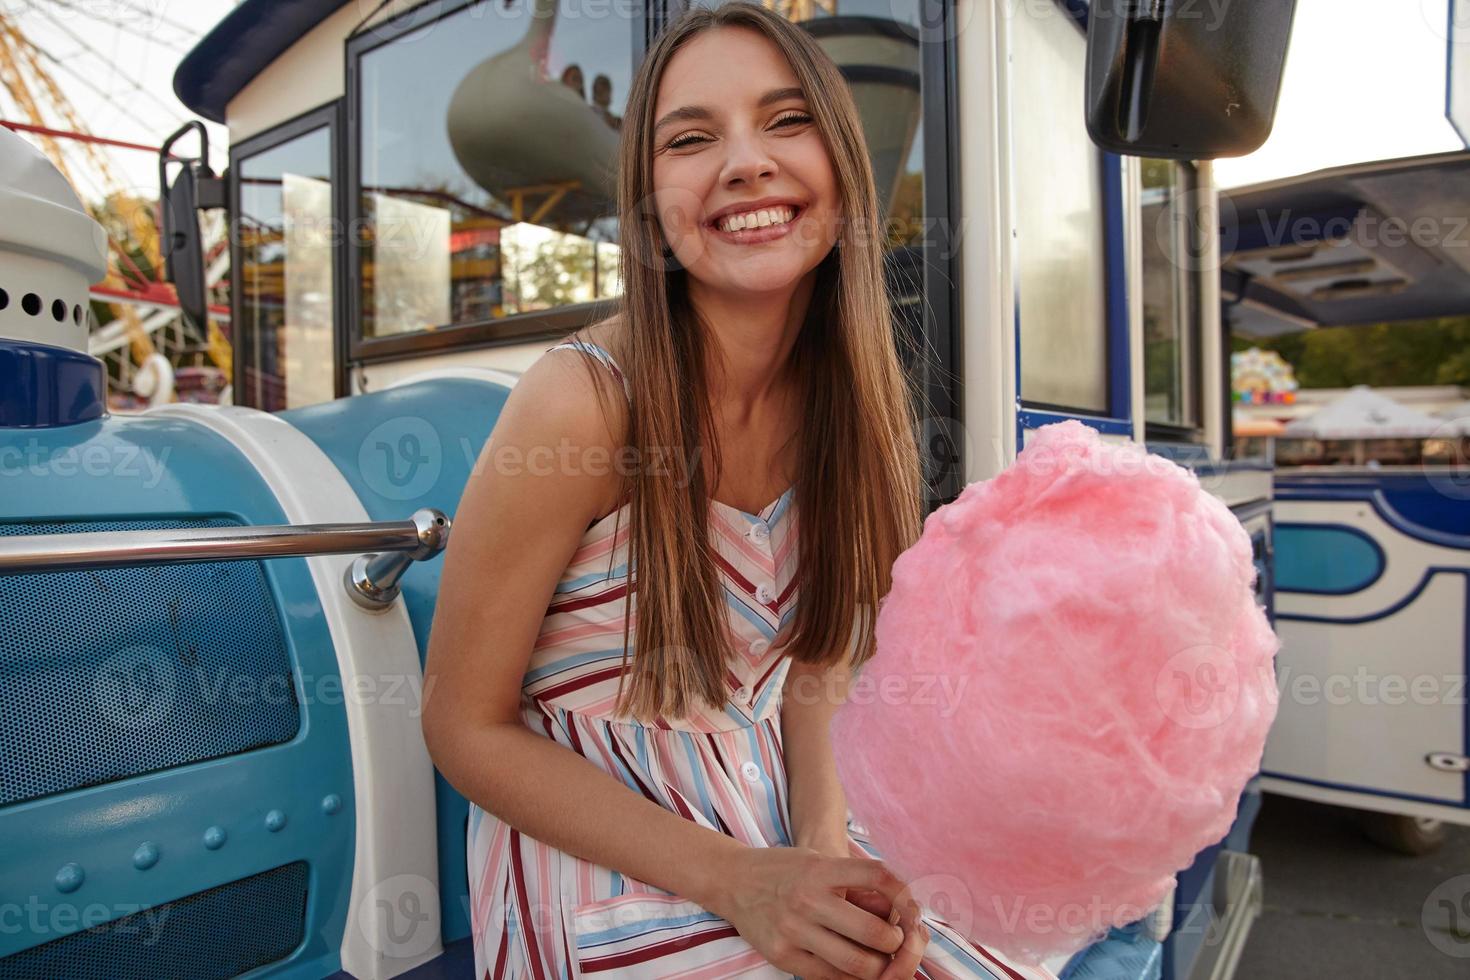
(634, 668)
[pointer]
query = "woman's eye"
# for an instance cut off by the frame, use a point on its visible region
(690, 138)
(685, 140)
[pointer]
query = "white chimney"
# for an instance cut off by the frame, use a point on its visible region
(50, 250)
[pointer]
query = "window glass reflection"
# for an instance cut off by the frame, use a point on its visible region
(1059, 211)
(488, 164)
(285, 227)
(1167, 334)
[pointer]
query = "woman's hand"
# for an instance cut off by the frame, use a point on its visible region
(838, 845)
(788, 903)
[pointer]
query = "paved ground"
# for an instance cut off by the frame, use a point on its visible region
(1337, 905)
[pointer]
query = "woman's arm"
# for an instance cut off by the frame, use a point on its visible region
(533, 492)
(809, 698)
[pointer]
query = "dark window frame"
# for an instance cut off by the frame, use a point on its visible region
(326, 116)
(515, 329)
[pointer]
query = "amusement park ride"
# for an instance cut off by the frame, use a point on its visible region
(286, 540)
(145, 339)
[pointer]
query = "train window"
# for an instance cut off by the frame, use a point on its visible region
(1060, 216)
(486, 162)
(1170, 323)
(284, 331)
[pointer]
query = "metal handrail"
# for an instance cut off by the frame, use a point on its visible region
(372, 579)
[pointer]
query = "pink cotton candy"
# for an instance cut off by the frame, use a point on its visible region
(1072, 685)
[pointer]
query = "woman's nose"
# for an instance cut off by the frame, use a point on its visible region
(747, 158)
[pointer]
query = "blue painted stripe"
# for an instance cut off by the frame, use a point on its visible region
(1387, 611)
(1366, 790)
(1381, 506)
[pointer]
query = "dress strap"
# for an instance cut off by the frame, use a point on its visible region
(594, 350)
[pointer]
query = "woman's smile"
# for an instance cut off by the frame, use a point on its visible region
(757, 226)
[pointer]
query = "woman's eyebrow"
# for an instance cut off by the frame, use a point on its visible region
(690, 113)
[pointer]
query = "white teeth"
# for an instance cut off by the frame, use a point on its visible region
(757, 219)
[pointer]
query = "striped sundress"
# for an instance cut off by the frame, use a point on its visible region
(540, 912)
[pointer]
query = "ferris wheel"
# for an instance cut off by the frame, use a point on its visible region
(79, 81)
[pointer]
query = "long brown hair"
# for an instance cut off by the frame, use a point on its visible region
(858, 489)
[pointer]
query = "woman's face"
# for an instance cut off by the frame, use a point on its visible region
(734, 145)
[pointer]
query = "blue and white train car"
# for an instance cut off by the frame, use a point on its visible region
(212, 619)
(1372, 561)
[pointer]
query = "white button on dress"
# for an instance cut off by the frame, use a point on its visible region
(742, 694)
(751, 772)
(759, 533)
(759, 646)
(764, 592)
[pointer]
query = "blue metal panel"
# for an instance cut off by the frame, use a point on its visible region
(1327, 559)
(136, 692)
(1314, 226)
(1034, 419)
(42, 385)
(219, 934)
(402, 449)
(141, 841)
(1120, 402)
(1430, 505)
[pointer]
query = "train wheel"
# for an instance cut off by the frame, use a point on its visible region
(1414, 836)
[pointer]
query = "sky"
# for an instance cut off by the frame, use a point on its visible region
(114, 60)
(1365, 79)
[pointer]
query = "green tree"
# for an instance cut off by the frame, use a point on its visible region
(1420, 352)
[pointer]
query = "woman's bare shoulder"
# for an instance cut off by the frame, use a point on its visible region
(608, 334)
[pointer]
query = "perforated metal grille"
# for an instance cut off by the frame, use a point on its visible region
(218, 933)
(108, 674)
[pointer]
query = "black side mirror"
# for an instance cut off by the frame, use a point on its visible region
(1184, 80)
(194, 188)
